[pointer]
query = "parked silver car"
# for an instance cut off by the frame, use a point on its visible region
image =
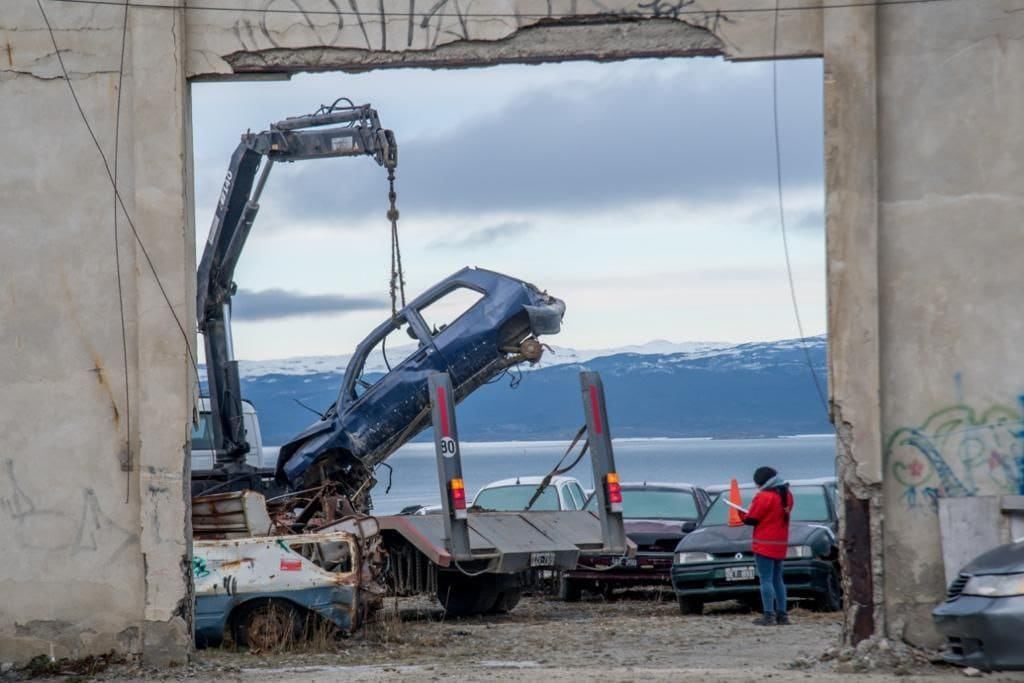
(983, 616)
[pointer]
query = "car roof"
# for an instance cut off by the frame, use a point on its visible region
(675, 485)
(531, 480)
(818, 481)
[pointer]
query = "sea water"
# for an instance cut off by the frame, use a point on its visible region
(704, 462)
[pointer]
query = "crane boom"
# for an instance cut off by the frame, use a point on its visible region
(334, 131)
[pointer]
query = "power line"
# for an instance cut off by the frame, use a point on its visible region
(117, 193)
(117, 267)
(669, 12)
(782, 209)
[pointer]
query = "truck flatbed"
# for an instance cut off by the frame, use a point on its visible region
(508, 541)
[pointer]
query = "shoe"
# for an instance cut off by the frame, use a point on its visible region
(765, 620)
(782, 619)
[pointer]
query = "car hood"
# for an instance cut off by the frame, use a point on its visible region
(1004, 559)
(733, 539)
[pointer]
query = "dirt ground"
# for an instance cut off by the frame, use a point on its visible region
(636, 636)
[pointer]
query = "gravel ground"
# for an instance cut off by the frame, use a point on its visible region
(635, 637)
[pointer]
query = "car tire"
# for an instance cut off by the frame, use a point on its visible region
(268, 625)
(691, 605)
(465, 596)
(570, 590)
(507, 601)
(831, 600)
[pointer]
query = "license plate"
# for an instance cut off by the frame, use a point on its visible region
(740, 573)
(627, 562)
(542, 559)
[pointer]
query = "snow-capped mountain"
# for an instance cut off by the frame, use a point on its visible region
(695, 389)
(558, 355)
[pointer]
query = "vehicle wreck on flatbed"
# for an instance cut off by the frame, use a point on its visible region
(374, 415)
(467, 330)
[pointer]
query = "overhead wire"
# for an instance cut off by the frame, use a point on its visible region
(782, 210)
(110, 176)
(668, 13)
(117, 267)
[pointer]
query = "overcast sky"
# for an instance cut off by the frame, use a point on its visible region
(642, 193)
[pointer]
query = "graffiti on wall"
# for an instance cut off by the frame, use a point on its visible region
(78, 526)
(959, 451)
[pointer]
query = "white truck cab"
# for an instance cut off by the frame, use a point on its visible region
(262, 459)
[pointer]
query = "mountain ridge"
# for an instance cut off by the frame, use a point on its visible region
(755, 389)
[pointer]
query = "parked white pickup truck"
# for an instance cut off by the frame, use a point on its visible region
(512, 495)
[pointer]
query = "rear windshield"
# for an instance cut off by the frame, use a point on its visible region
(511, 498)
(809, 505)
(655, 504)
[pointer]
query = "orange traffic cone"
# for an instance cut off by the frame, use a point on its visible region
(736, 499)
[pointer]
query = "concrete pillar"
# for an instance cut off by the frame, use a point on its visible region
(93, 526)
(851, 146)
(950, 238)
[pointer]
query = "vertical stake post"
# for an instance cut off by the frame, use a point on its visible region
(449, 464)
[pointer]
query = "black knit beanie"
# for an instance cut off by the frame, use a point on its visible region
(763, 474)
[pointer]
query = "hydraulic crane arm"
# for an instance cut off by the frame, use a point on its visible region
(331, 132)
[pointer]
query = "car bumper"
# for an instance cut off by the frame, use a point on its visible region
(647, 570)
(546, 318)
(706, 581)
(983, 632)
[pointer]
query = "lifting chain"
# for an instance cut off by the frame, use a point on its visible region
(397, 275)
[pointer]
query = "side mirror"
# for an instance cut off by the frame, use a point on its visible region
(688, 526)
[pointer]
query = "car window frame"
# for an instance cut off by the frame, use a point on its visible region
(355, 367)
(448, 290)
(566, 490)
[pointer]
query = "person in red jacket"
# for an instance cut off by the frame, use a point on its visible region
(769, 515)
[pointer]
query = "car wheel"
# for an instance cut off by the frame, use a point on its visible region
(463, 597)
(831, 600)
(269, 625)
(691, 605)
(507, 601)
(570, 590)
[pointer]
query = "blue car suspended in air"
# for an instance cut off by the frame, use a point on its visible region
(473, 325)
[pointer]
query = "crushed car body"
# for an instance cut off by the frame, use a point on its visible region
(238, 581)
(376, 413)
(269, 588)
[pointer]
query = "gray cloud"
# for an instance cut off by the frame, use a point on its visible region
(484, 236)
(589, 146)
(272, 304)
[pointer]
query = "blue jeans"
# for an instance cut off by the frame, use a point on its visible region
(773, 589)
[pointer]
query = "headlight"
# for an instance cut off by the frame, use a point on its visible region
(995, 585)
(690, 558)
(796, 552)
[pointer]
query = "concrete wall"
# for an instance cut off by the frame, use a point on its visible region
(93, 526)
(950, 239)
(921, 104)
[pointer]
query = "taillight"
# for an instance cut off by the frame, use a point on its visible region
(614, 492)
(458, 489)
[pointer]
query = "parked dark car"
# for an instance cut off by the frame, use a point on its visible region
(473, 325)
(714, 562)
(983, 616)
(656, 516)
